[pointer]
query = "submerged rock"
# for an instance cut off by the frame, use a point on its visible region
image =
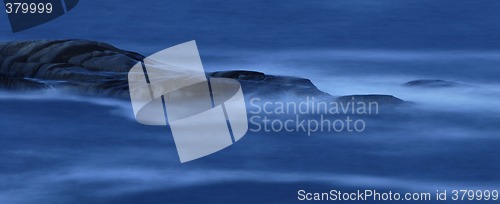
(370, 98)
(432, 83)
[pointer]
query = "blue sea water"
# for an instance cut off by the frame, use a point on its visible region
(59, 148)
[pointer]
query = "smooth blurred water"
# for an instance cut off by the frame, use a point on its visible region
(60, 148)
(148, 26)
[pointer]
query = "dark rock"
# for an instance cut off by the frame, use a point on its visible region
(237, 74)
(14, 83)
(272, 86)
(432, 83)
(95, 68)
(89, 67)
(378, 98)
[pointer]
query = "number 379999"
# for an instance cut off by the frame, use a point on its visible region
(28, 8)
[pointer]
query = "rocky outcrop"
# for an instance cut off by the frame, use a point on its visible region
(87, 67)
(45, 59)
(272, 86)
(94, 68)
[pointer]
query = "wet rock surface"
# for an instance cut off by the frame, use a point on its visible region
(99, 69)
